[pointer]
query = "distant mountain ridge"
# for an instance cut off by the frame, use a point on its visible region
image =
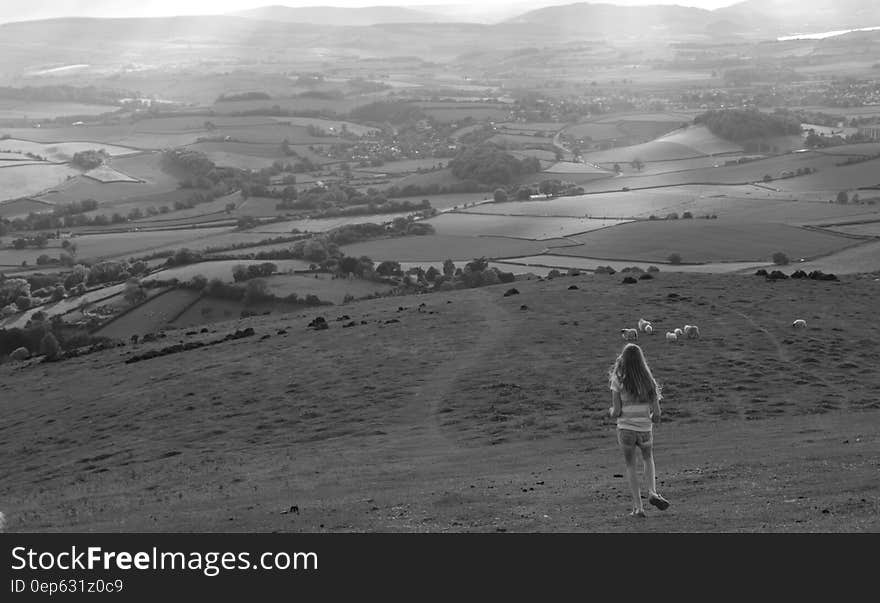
(345, 17)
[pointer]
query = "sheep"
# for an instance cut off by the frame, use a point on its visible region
(678, 333)
(671, 336)
(649, 329)
(692, 331)
(629, 334)
(800, 323)
(643, 323)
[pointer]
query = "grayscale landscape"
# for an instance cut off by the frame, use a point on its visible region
(346, 269)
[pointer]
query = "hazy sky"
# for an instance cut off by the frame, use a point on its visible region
(34, 9)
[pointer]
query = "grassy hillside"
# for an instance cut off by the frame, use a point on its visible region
(765, 428)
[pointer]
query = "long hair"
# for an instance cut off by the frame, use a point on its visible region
(634, 375)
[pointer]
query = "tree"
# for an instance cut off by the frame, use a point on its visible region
(500, 195)
(134, 293)
(842, 197)
(448, 268)
(49, 346)
(674, 258)
(780, 259)
(617, 168)
(637, 164)
(389, 268)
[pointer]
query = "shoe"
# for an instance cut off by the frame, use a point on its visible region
(638, 513)
(658, 501)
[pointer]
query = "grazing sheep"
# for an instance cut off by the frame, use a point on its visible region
(800, 323)
(678, 333)
(692, 331)
(629, 334)
(671, 336)
(642, 324)
(649, 329)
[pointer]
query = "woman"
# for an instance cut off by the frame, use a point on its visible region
(635, 400)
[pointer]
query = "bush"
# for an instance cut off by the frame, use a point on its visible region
(687, 215)
(674, 258)
(653, 269)
(780, 259)
(49, 347)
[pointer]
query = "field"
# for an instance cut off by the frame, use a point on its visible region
(463, 438)
(62, 151)
(324, 286)
(519, 227)
(704, 241)
(147, 169)
(542, 264)
(18, 109)
(107, 174)
(871, 229)
(21, 208)
(26, 180)
(221, 269)
(432, 248)
(695, 141)
(150, 316)
(568, 167)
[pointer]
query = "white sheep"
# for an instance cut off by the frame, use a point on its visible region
(629, 334)
(678, 333)
(692, 331)
(800, 323)
(649, 329)
(643, 325)
(670, 336)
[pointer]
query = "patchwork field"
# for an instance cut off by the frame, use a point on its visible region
(26, 180)
(324, 286)
(695, 141)
(542, 264)
(704, 241)
(518, 227)
(18, 109)
(465, 438)
(432, 248)
(62, 151)
(150, 316)
(221, 269)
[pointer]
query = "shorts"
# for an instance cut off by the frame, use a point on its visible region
(629, 438)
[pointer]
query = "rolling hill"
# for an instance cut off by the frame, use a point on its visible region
(339, 16)
(469, 414)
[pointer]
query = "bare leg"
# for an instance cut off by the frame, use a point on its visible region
(650, 471)
(629, 455)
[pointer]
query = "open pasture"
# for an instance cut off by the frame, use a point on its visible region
(570, 167)
(869, 229)
(704, 241)
(62, 151)
(123, 245)
(28, 180)
(517, 227)
(457, 438)
(432, 248)
(221, 269)
(150, 316)
(325, 287)
(16, 109)
(152, 180)
(694, 141)
(107, 174)
(834, 179)
(19, 208)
